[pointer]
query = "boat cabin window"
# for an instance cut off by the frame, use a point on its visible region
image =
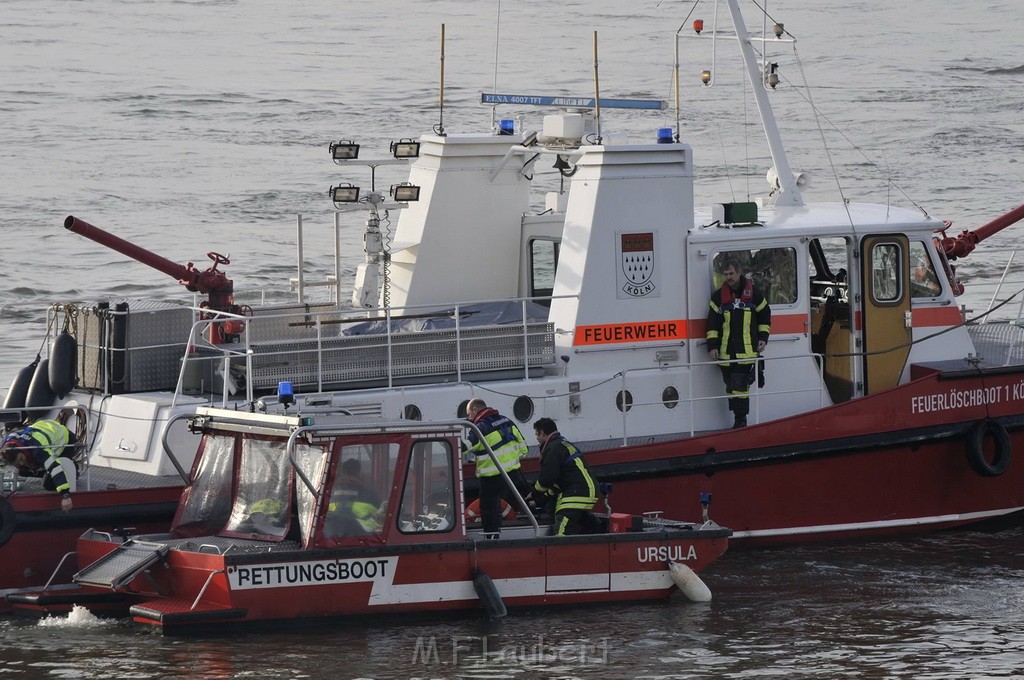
(543, 262)
(358, 499)
(262, 502)
(773, 271)
(924, 283)
(312, 461)
(886, 278)
(428, 498)
(207, 505)
(945, 266)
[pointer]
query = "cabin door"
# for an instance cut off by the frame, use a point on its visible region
(886, 309)
(540, 242)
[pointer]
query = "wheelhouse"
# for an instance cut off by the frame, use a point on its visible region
(323, 484)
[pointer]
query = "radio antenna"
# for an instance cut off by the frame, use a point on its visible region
(497, 38)
(597, 94)
(440, 115)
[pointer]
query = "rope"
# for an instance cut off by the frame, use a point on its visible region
(70, 319)
(933, 335)
(480, 387)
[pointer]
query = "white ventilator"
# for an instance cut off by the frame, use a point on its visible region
(688, 582)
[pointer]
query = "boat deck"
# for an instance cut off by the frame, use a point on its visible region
(105, 479)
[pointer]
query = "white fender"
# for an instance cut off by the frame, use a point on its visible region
(688, 582)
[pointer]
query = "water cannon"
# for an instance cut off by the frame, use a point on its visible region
(963, 243)
(211, 282)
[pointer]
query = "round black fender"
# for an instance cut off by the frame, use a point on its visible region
(6, 521)
(39, 392)
(976, 448)
(63, 367)
(18, 393)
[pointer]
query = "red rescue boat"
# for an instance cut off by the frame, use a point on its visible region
(274, 527)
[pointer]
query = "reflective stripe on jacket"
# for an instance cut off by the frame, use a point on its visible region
(50, 438)
(736, 324)
(504, 438)
(563, 470)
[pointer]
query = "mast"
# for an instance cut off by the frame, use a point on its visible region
(788, 194)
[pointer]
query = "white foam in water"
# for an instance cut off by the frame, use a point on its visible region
(78, 617)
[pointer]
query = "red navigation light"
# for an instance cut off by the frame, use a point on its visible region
(698, 26)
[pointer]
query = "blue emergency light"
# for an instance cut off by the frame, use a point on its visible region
(285, 393)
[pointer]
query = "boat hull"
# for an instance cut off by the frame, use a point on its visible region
(883, 465)
(265, 587)
(526, 574)
(41, 534)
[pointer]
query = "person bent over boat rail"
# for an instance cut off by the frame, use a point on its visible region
(564, 472)
(37, 451)
(509, 445)
(739, 322)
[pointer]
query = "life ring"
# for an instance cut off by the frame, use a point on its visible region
(473, 511)
(976, 448)
(6, 521)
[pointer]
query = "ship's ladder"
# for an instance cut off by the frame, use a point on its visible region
(120, 567)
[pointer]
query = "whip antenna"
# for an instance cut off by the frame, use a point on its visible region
(597, 93)
(440, 115)
(676, 70)
(497, 37)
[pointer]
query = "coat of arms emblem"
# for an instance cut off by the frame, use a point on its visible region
(636, 264)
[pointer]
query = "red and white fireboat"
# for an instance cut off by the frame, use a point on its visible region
(275, 526)
(581, 294)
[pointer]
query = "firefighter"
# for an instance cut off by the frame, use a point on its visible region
(739, 322)
(564, 473)
(509, 445)
(37, 451)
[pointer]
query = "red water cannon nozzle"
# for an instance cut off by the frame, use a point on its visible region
(211, 282)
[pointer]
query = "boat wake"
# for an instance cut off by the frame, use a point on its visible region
(78, 617)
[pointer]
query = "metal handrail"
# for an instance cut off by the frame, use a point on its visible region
(202, 591)
(693, 399)
(59, 565)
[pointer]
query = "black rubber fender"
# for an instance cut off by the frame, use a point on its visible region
(63, 368)
(488, 594)
(39, 393)
(976, 448)
(6, 521)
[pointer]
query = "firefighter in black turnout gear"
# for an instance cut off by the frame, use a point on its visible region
(739, 322)
(563, 472)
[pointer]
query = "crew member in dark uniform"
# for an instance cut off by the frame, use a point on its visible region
(563, 472)
(739, 322)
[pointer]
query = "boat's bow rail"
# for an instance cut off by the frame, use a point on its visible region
(998, 343)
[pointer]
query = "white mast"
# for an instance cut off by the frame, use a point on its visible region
(788, 192)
